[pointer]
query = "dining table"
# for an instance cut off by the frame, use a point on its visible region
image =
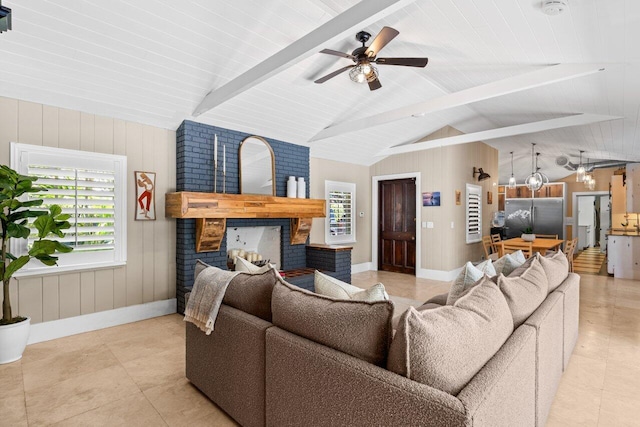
(538, 245)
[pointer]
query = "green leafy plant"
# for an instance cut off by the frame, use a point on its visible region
(14, 219)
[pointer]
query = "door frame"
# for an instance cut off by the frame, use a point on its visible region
(374, 216)
(574, 210)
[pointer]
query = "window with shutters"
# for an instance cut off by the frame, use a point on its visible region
(341, 207)
(91, 187)
(474, 213)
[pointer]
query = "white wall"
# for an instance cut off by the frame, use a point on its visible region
(150, 271)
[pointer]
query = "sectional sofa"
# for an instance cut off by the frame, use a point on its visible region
(283, 356)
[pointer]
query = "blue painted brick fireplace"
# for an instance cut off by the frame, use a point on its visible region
(194, 172)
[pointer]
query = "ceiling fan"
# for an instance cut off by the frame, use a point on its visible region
(363, 70)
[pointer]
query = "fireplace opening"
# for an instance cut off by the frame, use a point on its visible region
(255, 244)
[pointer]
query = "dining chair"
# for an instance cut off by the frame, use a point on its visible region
(547, 236)
(490, 250)
(569, 249)
(525, 247)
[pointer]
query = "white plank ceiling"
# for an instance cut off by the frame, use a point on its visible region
(153, 61)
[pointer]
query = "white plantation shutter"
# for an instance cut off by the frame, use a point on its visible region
(91, 187)
(340, 223)
(474, 213)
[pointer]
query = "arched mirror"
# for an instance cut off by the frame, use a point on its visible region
(257, 167)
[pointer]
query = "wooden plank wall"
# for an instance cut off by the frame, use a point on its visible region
(151, 247)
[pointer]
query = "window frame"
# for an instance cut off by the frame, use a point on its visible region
(77, 260)
(346, 187)
(473, 227)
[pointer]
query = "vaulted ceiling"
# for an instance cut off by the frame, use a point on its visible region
(155, 61)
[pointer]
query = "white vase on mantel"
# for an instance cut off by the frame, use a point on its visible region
(528, 237)
(292, 187)
(302, 188)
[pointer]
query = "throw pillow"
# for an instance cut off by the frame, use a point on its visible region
(247, 267)
(334, 288)
(556, 267)
(250, 293)
(468, 277)
(507, 263)
(524, 291)
(359, 328)
(200, 265)
(519, 256)
(446, 347)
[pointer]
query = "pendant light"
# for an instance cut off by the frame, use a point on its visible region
(512, 180)
(544, 179)
(533, 181)
(589, 180)
(580, 172)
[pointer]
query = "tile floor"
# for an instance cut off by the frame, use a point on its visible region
(134, 374)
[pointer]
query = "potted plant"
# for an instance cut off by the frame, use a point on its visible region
(14, 218)
(525, 218)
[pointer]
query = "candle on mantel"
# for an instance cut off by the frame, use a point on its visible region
(215, 151)
(224, 159)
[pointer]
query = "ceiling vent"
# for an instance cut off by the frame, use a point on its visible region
(554, 7)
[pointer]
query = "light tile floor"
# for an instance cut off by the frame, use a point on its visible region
(134, 374)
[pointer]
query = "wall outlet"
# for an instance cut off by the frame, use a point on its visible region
(429, 224)
(452, 224)
(361, 214)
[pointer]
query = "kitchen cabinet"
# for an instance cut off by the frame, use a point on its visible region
(623, 256)
(549, 190)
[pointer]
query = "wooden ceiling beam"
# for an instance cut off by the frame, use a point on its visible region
(526, 128)
(362, 14)
(533, 79)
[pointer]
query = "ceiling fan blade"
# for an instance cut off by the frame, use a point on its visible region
(384, 36)
(332, 75)
(375, 84)
(407, 62)
(337, 53)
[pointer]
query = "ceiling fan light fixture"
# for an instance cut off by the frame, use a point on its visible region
(5, 18)
(363, 73)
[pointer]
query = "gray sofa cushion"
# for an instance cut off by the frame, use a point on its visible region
(445, 347)
(556, 267)
(359, 328)
(524, 289)
(250, 293)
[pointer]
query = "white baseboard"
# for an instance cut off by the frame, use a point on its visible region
(104, 319)
(361, 268)
(441, 275)
(422, 273)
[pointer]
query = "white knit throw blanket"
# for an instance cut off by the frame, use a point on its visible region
(206, 297)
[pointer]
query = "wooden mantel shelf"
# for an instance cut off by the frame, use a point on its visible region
(212, 209)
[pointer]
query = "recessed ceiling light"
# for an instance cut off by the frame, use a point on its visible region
(554, 7)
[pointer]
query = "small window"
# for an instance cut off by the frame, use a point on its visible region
(91, 187)
(474, 213)
(341, 207)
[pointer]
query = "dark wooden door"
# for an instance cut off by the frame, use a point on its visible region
(397, 225)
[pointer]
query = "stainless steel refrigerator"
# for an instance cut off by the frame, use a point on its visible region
(547, 216)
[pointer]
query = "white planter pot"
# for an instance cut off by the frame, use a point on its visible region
(528, 237)
(13, 340)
